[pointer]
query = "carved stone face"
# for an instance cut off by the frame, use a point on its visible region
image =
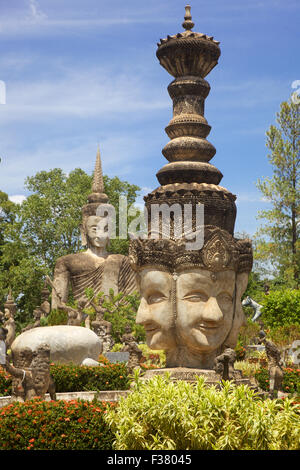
(156, 312)
(205, 306)
(95, 233)
(190, 315)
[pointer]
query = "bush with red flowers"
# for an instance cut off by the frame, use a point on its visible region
(5, 383)
(290, 383)
(55, 425)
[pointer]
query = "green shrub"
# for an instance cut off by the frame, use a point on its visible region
(74, 378)
(290, 383)
(284, 335)
(281, 308)
(262, 377)
(55, 425)
(164, 415)
(121, 310)
(240, 351)
(291, 380)
(57, 317)
(248, 333)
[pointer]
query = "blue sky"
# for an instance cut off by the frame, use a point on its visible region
(83, 72)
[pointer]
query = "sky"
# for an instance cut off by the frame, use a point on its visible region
(78, 73)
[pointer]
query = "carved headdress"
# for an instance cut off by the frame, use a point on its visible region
(189, 179)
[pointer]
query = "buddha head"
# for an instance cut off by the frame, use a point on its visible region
(93, 232)
(93, 229)
(191, 301)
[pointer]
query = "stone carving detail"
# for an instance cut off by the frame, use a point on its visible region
(101, 327)
(224, 364)
(32, 375)
(130, 346)
(190, 298)
(10, 310)
(37, 314)
(275, 363)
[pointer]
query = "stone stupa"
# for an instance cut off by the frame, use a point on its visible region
(191, 298)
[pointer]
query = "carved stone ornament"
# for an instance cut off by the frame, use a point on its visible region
(220, 251)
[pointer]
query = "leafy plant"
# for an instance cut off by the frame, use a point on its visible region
(57, 317)
(164, 415)
(73, 378)
(120, 310)
(284, 335)
(282, 308)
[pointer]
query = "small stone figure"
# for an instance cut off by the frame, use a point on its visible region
(3, 333)
(45, 306)
(127, 337)
(274, 363)
(101, 327)
(37, 314)
(35, 380)
(10, 325)
(21, 361)
(130, 346)
(224, 364)
(75, 316)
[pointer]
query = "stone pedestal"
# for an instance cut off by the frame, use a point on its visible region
(190, 375)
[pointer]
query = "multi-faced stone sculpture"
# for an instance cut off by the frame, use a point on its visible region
(94, 268)
(190, 297)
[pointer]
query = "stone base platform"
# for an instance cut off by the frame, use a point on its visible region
(190, 375)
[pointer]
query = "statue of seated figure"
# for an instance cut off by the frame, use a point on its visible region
(94, 268)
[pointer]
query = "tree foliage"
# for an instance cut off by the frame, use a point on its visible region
(277, 242)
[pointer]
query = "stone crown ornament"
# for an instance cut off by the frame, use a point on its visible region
(220, 252)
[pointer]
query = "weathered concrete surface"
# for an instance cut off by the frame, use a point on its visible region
(67, 343)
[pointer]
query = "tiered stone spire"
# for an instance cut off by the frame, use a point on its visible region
(189, 177)
(189, 57)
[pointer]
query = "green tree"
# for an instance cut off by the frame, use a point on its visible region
(277, 242)
(44, 227)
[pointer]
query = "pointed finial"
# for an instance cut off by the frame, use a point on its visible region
(98, 194)
(188, 23)
(98, 185)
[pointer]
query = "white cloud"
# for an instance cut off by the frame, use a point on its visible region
(80, 94)
(17, 198)
(36, 13)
